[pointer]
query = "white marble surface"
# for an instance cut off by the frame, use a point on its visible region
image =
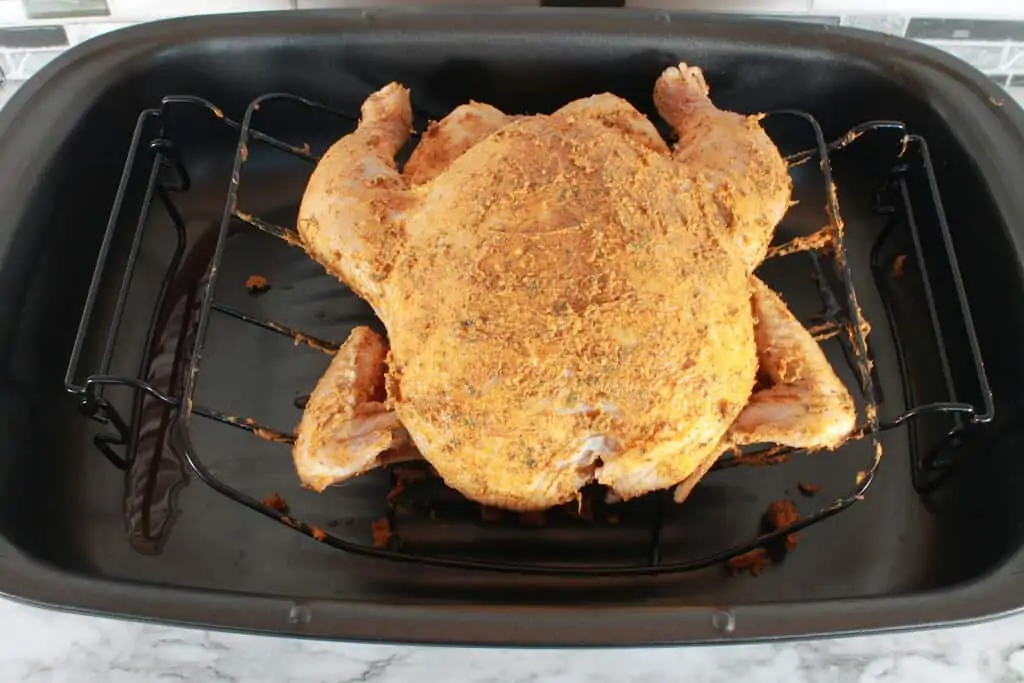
(39, 646)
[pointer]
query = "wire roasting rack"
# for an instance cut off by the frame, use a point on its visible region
(167, 176)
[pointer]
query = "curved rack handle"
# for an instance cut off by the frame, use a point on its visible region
(987, 410)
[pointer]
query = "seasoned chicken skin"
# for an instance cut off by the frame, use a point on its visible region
(566, 298)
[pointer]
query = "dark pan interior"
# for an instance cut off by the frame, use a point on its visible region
(62, 503)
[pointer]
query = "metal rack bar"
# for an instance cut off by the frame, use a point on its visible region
(988, 410)
(287, 234)
(103, 256)
(283, 330)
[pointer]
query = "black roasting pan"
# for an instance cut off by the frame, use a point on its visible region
(151, 509)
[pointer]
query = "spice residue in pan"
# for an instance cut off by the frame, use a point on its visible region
(277, 502)
(381, 532)
(257, 284)
(899, 265)
(780, 514)
(807, 489)
(753, 561)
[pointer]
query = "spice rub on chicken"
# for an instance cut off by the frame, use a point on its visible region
(567, 298)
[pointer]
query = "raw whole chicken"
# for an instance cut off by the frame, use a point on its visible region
(567, 299)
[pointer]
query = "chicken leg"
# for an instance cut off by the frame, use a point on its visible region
(729, 156)
(352, 211)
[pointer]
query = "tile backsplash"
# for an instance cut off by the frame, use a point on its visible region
(64, 9)
(988, 34)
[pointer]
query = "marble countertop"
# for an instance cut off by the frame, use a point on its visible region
(40, 645)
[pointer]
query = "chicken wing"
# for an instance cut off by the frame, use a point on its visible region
(346, 428)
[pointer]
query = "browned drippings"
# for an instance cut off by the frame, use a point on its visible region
(158, 469)
(807, 489)
(395, 492)
(753, 561)
(776, 455)
(780, 514)
(381, 532)
(277, 502)
(898, 266)
(257, 284)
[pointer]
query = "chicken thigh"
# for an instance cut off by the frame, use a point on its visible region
(567, 299)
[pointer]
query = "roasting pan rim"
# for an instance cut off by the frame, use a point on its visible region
(38, 584)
